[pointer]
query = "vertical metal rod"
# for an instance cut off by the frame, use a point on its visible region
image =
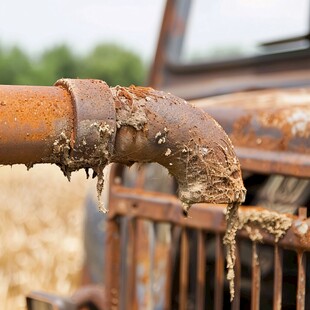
(152, 246)
(170, 268)
(168, 279)
(255, 294)
(112, 264)
(131, 300)
(301, 286)
(277, 282)
(236, 302)
(184, 264)
(201, 271)
(219, 273)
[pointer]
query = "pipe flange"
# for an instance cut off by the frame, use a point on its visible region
(94, 122)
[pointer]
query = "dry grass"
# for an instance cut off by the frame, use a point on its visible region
(41, 227)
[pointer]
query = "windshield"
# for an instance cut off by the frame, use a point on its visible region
(230, 29)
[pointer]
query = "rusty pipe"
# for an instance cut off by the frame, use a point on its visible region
(85, 124)
(31, 119)
(154, 126)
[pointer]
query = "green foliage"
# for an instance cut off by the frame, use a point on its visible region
(114, 65)
(107, 62)
(14, 66)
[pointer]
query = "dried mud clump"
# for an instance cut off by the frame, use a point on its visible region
(63, 153)
(274, 223)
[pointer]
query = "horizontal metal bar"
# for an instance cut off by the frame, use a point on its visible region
(206, 216)
(264, 161)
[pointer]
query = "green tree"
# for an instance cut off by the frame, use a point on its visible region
(107, 62)
(55, 63)
(114, 65)
(15, 66)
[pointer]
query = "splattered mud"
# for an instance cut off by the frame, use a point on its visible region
(274, 223)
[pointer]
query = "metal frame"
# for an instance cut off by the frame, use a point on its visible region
(136, 204)
(287, 69)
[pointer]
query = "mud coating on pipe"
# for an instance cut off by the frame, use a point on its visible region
(154, 126)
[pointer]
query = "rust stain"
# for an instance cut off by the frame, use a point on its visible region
(139, 91)
(31, 117)
(276, 120)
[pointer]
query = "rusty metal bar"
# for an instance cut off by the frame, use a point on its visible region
(270, 162)
(131, 300)
(86, 124)
(201, 271)
(112, 265)
(277, 281)
(219, 273)
(168, 279)
(62, 124)
(301, 284)
(236, 302)
(302, 213)
(170, 38)
(208, 216)
(184, 264)
(169, 274)
(170, 267)
(32, 118)
(259, 125)
(256, 275)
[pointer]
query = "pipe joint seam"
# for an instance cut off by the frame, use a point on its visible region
(92, 139)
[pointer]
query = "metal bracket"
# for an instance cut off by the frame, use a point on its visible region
(93, 109)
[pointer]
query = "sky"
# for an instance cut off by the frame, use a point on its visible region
(135, 24)
(38, 24)
(245, 24)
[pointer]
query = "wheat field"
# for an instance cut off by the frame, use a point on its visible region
(41, 229)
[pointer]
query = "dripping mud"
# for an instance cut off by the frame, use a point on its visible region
(254, 222)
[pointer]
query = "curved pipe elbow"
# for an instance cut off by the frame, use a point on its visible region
(86, 124)
(140, 124)
(153, 126)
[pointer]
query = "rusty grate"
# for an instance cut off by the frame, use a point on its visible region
(189, 268)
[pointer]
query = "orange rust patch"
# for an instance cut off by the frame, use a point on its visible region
(139, 91)
(31, 118)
